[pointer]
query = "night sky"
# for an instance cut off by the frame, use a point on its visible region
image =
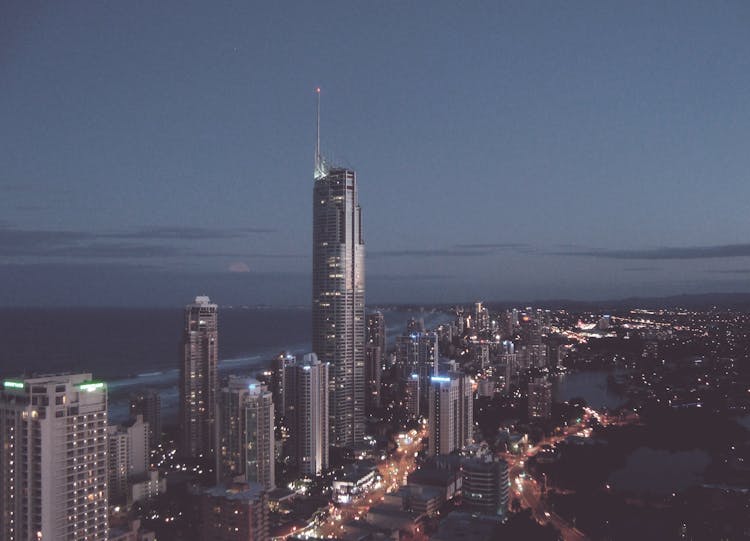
(152, 151)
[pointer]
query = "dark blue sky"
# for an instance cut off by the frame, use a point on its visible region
(504, 150)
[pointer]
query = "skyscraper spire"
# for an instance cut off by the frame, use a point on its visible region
(320, 168)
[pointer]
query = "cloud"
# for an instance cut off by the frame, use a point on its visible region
(117, 250)
(247, 255)
(490, 245)
(407, 277)
(186, 233)
(456, 250)
(239, 266)
(640, 269)
(438, 252)
(729, 271)
(16, 242)
(667, 253)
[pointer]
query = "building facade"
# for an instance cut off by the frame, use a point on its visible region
(306, 411)
(199, 380)
(540, 399)
(147, 403)
(338, 311)
(451, 418)
(486, 487)
(234, 511)
(53, 459)
(246, 432)
(128, 455)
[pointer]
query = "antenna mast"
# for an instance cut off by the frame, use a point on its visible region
(319, 167)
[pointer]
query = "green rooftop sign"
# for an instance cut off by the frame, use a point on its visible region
(10, 384)
(91, 386)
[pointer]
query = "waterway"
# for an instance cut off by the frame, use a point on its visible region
(591, 385)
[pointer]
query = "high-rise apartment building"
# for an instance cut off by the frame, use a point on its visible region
(451, 420)
(199, 380)
(278, 367)
(540, 399)
(412, 396)
(376, 331)
(306, 410)
(53, 459)
(147, 403)
(338, 311)
(128, 455)
(374, 359)
(246, 432)
(418, 353)
(481, 317)
(373, 369)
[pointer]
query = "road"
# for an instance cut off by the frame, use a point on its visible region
(393, 471)
(528, 491)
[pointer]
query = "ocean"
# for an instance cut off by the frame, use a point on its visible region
(140, 347)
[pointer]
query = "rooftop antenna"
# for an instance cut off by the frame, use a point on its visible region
(319, 162)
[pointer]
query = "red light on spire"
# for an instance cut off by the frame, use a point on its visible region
(317, 90)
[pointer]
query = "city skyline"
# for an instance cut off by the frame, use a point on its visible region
(556, 154)
(544, 203)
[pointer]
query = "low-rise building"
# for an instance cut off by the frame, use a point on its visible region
(235, 511)
(354, 481)
(147, 486)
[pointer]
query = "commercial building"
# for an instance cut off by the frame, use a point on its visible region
(354, 481)
(53, 459)
(246, 432)
(486, 486)
(199, 380)
(338, 311)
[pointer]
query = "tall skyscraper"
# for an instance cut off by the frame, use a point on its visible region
(338, 310)
(147, 402)
(53, 459)
(199, 381)
(246, 432)
(306, 409)
(451, 406)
